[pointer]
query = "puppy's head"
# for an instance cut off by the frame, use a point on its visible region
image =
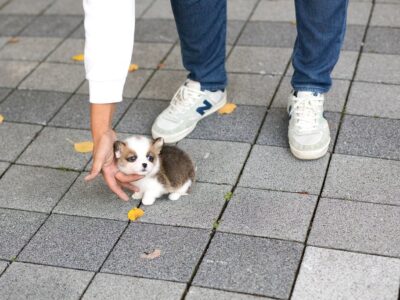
(138, 155)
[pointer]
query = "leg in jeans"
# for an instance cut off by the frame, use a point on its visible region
(321, 25)
(202, 31)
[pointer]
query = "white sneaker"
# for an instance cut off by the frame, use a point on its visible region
(188, 106)
(309, 135)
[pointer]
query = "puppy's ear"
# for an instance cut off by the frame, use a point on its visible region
(158, 144)
(118, 147)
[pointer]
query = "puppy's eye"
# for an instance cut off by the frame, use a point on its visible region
(150, 157)
(131, 158)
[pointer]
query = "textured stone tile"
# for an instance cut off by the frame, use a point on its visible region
(28, 281)
(372, 99)
(29, 49)
(275, 129)
(217, 162)
(379, 68)
(32, 106)
(274, 11)
(370, 137)
(38, 189)
(78, 33)
(241, 126)
(383, 40)
(357, 226)
(233, 30)
(4, 92)
(163, 85)
(3, 167)
(386, 15)
(141, 6)
(65, 7)
(12, 72)
(331, 274)
(53, 148)
(73, 242)
(199, 293)
(108, 286)
(180, 248)
(160, 9)
(3, 266)
(335, 98)
(240, 9)
(55, 77)
(205, 198)
(11, 147)
(250, 89)
(269, 214)
(257, 266)
(94, 199)
(358, 12)
(149, 55)
(17, 227)
(76, 112)
(68, 49)
(140, 116)
(353, 38)
(25, 7)
(156, 30)
(277, 169)
(3, 41)
(11, 25)
(52, 26)
(259, 60)
(379, 182)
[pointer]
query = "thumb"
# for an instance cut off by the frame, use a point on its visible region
(96, 168)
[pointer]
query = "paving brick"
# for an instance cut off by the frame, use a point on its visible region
(3, 266)
(267, 268)
(379, 182)
(383, 40)
(156, 30)
(205, 198)
(251, 89)
(53, 148)
(12, 72)
(269, 214)
(331, 274)
(12, 24)
(76, 112)
(3, 41)
(275, 129)
(163, 85)
(372, 99)
(379, 68)
(386, 15)
(28, 281)
(240, 9)
(17, 227)
(3, 167)
(65, 7)
(199, 293)
(11, 146)
(354, 37)
(78, 33)
(25, 7)
(55, 77)
(274, 11)
(94, 199)
(180, 248)
(4, 92)
(357, 226)
(29, 49)
(275, 168)
(160, 9)
(233, 29)
(369, 137)
(108, 286)
(149, 55)
(217, 162)
(32, 106)
(73, 242)
(259, 60)
(52, 26)
(68, 49)
(358, 12)
(39, 189)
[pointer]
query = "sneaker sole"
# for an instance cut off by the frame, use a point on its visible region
(173, 138)
(310, 155)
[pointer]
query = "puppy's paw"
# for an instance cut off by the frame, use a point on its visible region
(137, 196)
(148, 201)
(174, 196)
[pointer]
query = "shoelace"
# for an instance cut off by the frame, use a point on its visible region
(306, 113)
(183, 99)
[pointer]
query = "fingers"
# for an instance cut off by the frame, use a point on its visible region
(127, 178)
(115, 187)
(130, 187)
(92, 175)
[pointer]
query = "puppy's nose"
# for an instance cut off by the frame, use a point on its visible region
(144, 165)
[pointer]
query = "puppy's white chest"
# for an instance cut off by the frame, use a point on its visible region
(151, 185)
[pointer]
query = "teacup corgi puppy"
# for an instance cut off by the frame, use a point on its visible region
(166, 169)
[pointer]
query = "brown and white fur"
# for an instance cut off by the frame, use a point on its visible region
(166, 169)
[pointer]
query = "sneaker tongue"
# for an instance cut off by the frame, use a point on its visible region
(193, 84)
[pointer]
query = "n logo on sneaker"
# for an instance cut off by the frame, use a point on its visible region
(202, 109)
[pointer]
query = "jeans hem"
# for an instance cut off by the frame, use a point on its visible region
(312, 89)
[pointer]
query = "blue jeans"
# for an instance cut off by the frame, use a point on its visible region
(321, 25)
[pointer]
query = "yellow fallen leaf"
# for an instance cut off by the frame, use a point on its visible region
(152, 255)
(1, 119)
(133, 68)
(83, 147)
(135, 214)
(227, 109)
(78, 57)
(13, 40)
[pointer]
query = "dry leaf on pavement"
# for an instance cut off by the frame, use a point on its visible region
(227, 109)
(152, 255)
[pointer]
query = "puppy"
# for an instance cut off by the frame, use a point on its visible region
(166, 169)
